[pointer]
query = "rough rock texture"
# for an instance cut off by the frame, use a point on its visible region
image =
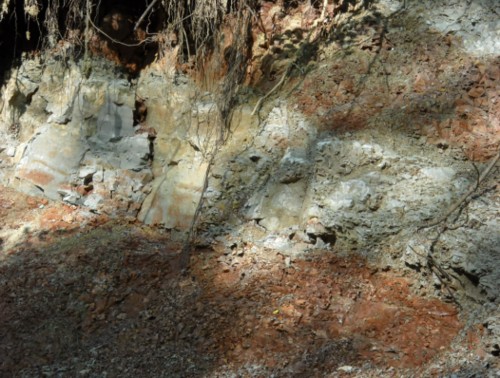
(293, 176)
(176, 113)
(476, 22)
(371, 136)
(75, 139)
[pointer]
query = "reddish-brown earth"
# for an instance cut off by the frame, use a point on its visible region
(109, 297)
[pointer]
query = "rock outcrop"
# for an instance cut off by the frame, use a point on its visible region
(76, 140)
(286, 178)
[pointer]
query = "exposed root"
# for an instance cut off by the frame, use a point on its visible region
(274, 89)
(443, 276)
(466, 196)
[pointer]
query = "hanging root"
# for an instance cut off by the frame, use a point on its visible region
(466, 196)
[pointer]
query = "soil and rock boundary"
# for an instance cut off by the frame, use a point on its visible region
(311, 202)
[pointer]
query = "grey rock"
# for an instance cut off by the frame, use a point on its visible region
(416, 253)
(278, 205)
(320, 235)
(50, 165)
(133, 152)
(93, 201)
(86, 172)
(69, 196)
(442, 174)
(114, 122)
(349, 194)
(493, 328)
(293, 166)
(277, 242)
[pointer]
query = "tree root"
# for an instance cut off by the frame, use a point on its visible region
(464, 198)
(443, 276)
(274, 89)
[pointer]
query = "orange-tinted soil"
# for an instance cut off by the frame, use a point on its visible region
(119, 285)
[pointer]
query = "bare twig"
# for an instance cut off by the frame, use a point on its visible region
(86, 62)
(441, 274)
(478, 174)
(148, 9)
(274, 89)
(146, 40)
(462, 199)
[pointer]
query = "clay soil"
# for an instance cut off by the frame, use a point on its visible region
(92, 297)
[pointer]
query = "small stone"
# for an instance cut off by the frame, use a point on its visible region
(10, 151)
(346, 369)
(68, 218)
(476, 92)
(87, 172)
(383, 165)
(69, 196)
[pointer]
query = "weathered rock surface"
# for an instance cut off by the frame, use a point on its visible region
(370, 138)
(306, 188)
(49, 160)
(76, 139)
(288, 179)
(476, 23)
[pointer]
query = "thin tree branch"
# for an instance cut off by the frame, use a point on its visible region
(276, 87)
(462, 199)
(148, 9)
(146, 40)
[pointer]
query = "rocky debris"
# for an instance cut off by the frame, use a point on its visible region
(28, 220)
(109, 298)
(492, 325)
(117, 287)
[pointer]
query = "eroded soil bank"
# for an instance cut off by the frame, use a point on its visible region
(310, 256)
(109, 299)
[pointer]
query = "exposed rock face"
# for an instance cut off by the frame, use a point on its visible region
(365, 191)
(77, 141)
(307, 188)
(48, 166)
(283, 180)
(184, 136)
